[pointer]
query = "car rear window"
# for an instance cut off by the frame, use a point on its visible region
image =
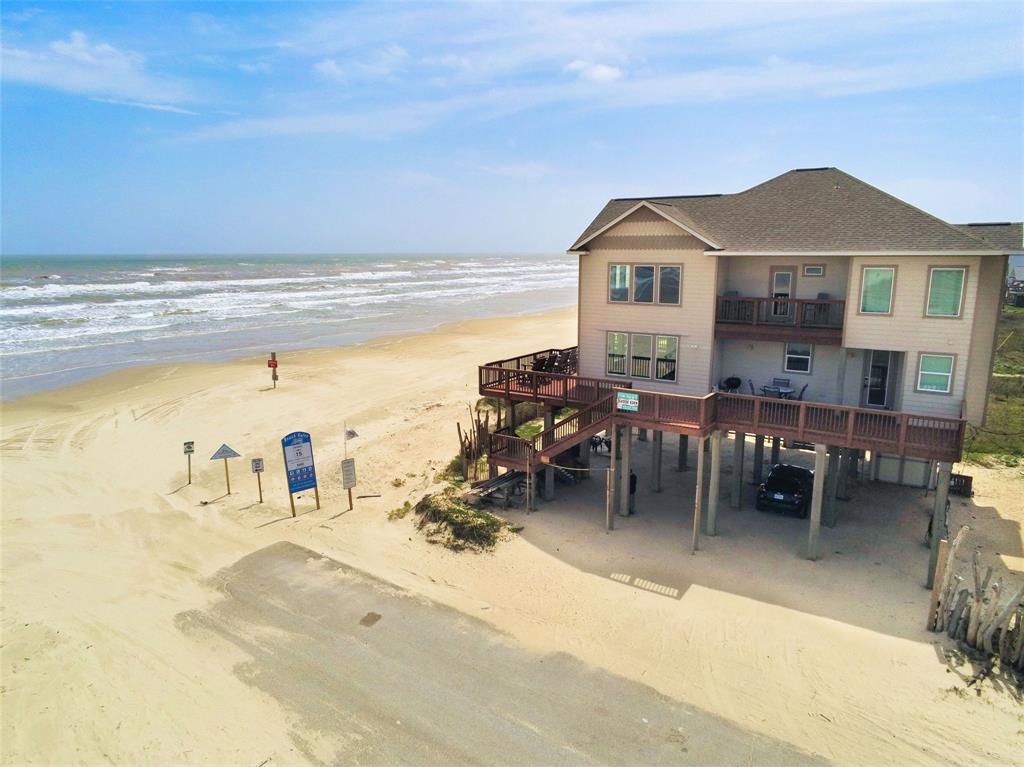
(783, 484)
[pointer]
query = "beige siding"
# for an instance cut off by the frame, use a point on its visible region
(909, 331)
(991, 281)
(640, 239)
(751, 275)
(761, 361)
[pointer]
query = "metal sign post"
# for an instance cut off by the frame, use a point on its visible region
(299, 466)
(348, 477)
(190, 447)
(225, 452)
(257, 469)
(272, 364)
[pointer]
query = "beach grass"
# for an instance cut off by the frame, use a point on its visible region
(1001, 439)
(456, 525)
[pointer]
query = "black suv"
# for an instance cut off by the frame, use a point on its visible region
(787, 489)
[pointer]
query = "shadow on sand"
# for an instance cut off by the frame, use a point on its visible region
(873, 562)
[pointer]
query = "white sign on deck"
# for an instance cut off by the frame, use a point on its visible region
(224, 452)
(348, 473)
(257, 465)
(627, 401)
(190, 447)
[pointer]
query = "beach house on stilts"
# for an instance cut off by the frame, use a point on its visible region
(812, 308)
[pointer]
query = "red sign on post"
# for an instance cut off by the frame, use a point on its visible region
(271, 363)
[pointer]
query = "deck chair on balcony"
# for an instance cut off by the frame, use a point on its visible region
(780, 382)
(799, 397)
(750, 383)
(820, 312)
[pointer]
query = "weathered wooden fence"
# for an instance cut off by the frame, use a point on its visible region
(473, 443)
(984, 615)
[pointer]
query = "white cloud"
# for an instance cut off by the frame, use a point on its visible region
(19, 17)
(144, 105)
(329, 68)
(597, 73)
(255, 67)
(381, 123)
(77, 65)
(385, 61)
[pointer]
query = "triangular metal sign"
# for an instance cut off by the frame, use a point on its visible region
(224, 452)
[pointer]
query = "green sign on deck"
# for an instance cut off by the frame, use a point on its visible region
(627, 401)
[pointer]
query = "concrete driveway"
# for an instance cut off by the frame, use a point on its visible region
(384, 677)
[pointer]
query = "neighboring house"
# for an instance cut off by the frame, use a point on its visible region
(813, 276)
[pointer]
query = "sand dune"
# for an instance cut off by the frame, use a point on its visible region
(105, 548)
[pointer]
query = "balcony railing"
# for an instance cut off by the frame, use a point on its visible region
(791, 312)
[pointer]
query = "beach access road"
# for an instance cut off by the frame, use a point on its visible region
(368, 673)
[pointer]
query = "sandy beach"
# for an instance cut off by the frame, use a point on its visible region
(108, 554)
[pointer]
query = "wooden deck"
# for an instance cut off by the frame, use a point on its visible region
(515, 379)
(896, 433)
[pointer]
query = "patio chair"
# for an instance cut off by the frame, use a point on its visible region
(750, 383)
(800, 396)
(780, 382)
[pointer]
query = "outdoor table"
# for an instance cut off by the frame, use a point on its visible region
(782, 392)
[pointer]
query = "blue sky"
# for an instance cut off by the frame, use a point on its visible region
(232, 127)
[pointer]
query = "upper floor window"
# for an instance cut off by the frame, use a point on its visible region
(935, 373)
(644, 284)
(669, 280)
(618, 282)
(876, 288)
(945, 291)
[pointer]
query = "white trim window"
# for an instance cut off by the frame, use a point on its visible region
(876, 289)
(643, 284)
(618, 352)
(670, 285)
(667, 348)
(935, 373)
(945, 291)
(618, 283)
(814, 270)
(798, 358)
(642, 355)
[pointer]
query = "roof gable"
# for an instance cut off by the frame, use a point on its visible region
(819, 210)
(617, 211)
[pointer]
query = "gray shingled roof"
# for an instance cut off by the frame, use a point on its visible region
(815, 210)
(1004, 236)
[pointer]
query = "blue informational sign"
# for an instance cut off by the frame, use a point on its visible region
(298, 461)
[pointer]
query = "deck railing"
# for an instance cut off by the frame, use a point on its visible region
(863, 428)
(513, 378)
(804, 421)
(792, 312)
(529, 361)
(505, 447)
(582, 423)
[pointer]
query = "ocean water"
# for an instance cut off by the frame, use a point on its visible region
(66, 319)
